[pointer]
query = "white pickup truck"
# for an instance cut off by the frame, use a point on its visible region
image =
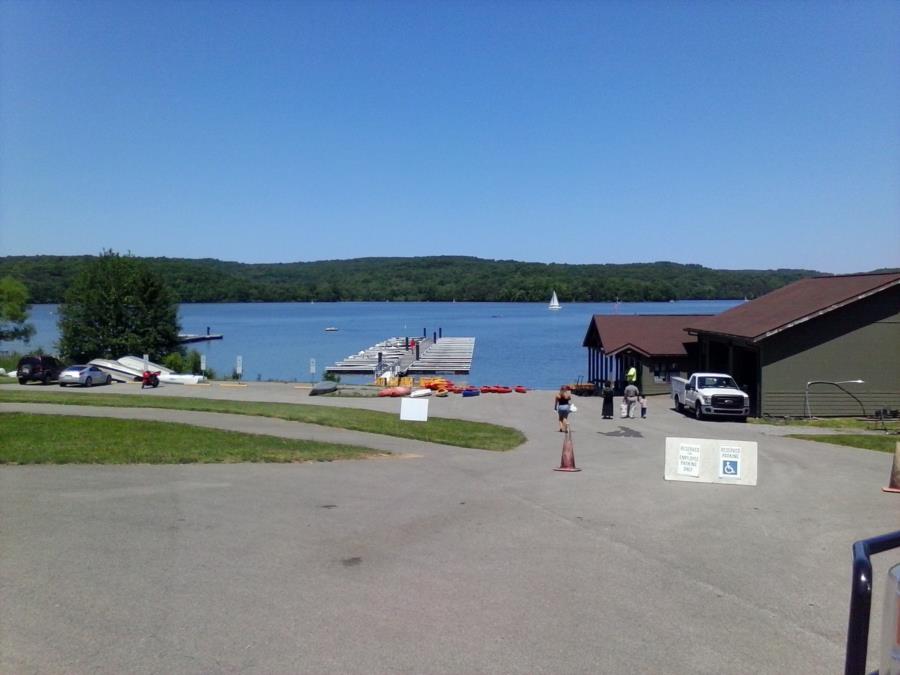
(710, 394)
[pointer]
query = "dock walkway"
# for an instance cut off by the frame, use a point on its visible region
(397, 356)
(447, 355)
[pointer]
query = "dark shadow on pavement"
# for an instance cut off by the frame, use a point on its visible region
(622, 432)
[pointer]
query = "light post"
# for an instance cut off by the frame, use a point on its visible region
(838, 385)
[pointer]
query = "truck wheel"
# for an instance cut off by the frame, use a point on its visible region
(679, 406)
(698, 413)
(22, 380)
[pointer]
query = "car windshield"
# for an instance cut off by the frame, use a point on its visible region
(718, 382)
(75, 369)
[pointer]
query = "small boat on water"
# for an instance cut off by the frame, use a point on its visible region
(554, 302)
(331, 329)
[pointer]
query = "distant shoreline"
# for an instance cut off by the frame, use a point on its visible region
(415, 279)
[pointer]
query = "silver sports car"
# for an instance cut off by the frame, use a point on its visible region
(86, 376)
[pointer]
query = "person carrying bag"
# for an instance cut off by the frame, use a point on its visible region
(563, 406)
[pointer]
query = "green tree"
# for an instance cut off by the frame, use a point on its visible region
(14, 310)
(116, 306)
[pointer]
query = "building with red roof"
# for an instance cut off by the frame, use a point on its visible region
(798, 350)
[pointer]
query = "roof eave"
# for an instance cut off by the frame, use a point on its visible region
(825, 310)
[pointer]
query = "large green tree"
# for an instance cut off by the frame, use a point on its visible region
(117, 306)
(14, 310)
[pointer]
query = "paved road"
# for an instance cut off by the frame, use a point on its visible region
(447, 561)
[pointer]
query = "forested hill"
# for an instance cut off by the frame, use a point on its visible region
(441, 278)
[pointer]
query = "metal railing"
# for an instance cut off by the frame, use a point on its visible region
(861, 599)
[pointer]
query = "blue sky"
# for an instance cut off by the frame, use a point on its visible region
(728, 134)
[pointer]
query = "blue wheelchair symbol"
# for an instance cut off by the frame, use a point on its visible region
(729, 467)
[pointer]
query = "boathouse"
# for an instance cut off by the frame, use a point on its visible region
(801, 349)
(657, 346)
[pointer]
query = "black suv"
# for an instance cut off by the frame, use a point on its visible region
(40, 368)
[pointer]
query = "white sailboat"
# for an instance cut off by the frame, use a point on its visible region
(554, 302)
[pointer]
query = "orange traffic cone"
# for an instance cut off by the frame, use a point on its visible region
(894, 485)
(567, 461)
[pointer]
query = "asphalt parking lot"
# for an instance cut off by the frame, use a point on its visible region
(441, 560)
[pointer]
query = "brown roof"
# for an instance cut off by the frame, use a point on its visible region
(793, 304)
(650, 335)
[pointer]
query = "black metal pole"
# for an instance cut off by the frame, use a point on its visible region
(861, 599)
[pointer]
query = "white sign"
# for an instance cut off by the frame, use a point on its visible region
(711, 460)
(414, 409)
(312, 366)
(239, 365)
(729, 462)
(203, 363)
(689, 460)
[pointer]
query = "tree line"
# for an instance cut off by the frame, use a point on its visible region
(433, 278)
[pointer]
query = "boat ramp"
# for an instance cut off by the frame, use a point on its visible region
(399, 356)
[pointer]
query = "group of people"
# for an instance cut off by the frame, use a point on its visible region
(632, 400)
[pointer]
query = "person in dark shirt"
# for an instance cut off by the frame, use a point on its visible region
(607, 393)
(562, 404)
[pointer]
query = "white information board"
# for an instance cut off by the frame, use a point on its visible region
(414, 409)
(711, 460)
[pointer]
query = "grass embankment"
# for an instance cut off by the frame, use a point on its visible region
(865, 441)
(61, 439)
(823, 423)
(870, 441)
(461, 433)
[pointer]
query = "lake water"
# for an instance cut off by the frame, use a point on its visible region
(515, 343)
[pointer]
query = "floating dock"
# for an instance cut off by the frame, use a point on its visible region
(397, 356)
(184, 338)
(447, 355)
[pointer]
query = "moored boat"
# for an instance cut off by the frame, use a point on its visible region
(554, 302)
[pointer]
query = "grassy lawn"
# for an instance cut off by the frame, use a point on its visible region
(465, 434)
(60, 439)
(865, 441)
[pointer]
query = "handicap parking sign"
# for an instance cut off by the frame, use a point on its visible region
(729, 462)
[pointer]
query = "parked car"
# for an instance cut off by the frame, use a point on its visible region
(713, 394)
(38, 367)
(86, 376)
